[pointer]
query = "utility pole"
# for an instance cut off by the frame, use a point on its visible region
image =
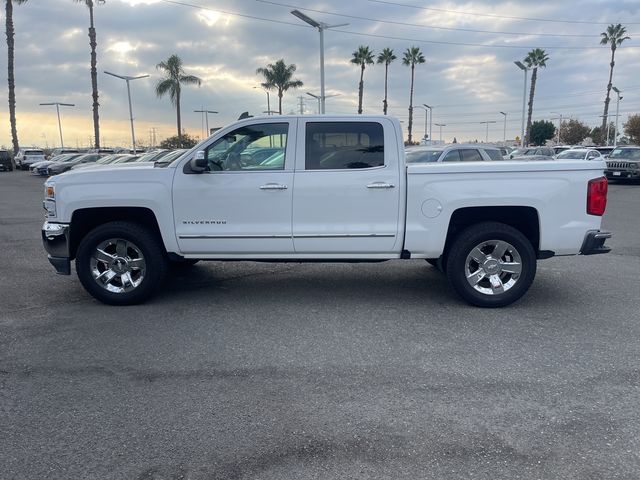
(440, 125)
(127, 79)
(205, 114)
(301, 104)
(504, 133)
(430, 120)
(615, 136)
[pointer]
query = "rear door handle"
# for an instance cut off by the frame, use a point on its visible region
(380, 185)
(273, 186)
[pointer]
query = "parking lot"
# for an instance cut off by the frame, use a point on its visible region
(295, 371)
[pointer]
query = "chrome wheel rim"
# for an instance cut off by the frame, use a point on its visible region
(493, 267)
(118, 265)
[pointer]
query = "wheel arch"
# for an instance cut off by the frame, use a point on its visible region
(523, 218)
(86, 219)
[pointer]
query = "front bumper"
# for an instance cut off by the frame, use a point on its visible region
(612, 174)
(593, 243)
(55, 237)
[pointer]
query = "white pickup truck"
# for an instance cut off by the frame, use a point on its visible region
(322, 188)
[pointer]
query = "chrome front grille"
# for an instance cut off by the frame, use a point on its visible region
(619, 165)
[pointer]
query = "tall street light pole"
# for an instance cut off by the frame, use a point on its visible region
(430, 119)
(426, 121)
(128, 79)
(615, 132)
(268, 101)
(504, 133)
(58, 104)
(321, 28)
(559, 125)
(521, 66)
(317, 97)
(205, 113)
(486, 137)
(440, 125)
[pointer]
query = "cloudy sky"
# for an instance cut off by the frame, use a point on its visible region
(469, 76)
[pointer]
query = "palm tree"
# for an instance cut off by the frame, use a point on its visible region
(363, 56)
(536, 58)
(614, 36)
(10, 74)
(411, 57)
(174, 78)
(94, 72)
(386, 57)
(279, 76)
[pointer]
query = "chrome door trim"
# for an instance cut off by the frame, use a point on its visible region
(225, 237)
(344, 235)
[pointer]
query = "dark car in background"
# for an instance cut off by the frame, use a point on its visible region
(61, 167)
(5, 161)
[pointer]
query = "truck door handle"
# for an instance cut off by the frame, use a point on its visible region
(380, 185)
(273, 186)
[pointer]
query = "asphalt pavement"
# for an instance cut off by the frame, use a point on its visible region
(318, 371)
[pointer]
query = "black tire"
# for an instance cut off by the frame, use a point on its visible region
(461, 251)
(149, 245)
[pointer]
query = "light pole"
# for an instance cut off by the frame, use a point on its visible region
(486, 138)
(321, 28)
(268, 101)
(521, 66)
(504, 133)
(559, 125)
(441, 125)
(127, 79)
(205, 113)
(430, 119)
(615, 132)
(426, 121)
(318, 97)
(58, 104)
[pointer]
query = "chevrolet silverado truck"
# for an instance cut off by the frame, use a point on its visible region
(322, 188)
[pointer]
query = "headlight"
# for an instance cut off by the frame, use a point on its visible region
(49, 191)
(633, 165)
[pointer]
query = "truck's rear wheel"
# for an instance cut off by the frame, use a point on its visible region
(491, 264)
(121, 263)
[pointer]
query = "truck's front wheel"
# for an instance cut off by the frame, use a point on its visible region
(491, 264)
(121, 263)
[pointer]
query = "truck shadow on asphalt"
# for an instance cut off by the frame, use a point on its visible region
(389, 283)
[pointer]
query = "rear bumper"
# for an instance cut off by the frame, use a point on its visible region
(593, 243)
(55, 238)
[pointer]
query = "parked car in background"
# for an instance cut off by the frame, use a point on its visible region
(173, 155)
(605, 151)
(105, 160)
(5, 161)
(505, 151)
(27, 156)
(537, 151)
(61, 167)
(457, 152)
(61, 151)
(624, 162)
(40, 168)
(561, 148)
(580, 154)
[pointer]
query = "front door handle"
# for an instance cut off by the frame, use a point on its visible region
(273, 186)
(380, 185)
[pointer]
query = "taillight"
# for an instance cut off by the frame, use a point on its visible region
(597, 196)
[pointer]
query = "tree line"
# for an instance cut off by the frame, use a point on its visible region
(279, 76)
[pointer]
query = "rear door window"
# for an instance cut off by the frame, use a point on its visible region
(343, 145)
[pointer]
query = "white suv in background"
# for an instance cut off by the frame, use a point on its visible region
(27, 156)
(455, 152)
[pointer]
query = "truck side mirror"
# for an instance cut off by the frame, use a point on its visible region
(198, 163)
